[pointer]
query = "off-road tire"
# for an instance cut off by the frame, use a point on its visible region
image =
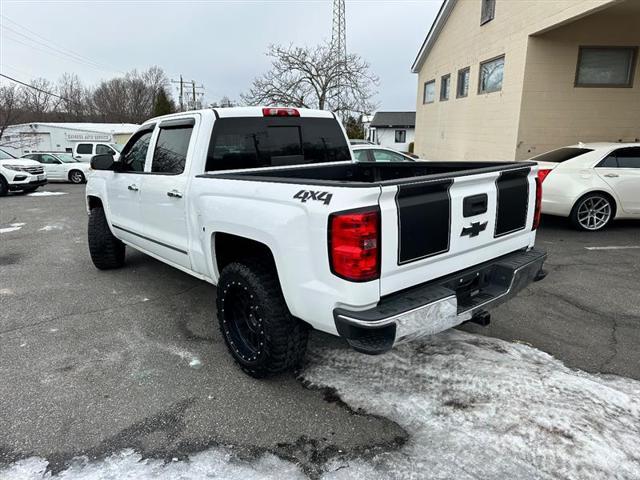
(4, 187)
(283, 338)
(106, 251)
(77, 177)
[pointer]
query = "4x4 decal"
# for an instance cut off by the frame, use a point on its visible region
(304, 195)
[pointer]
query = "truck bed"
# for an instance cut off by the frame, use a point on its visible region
(369, 174)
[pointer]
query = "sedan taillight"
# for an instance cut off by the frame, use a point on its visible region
(354, 244)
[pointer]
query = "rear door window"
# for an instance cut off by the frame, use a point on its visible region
(628, 157)
(85, 148)
(273, 141)
(170, 154)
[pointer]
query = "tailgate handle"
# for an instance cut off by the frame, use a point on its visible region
(474, 205)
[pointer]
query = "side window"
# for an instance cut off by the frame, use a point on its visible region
(170, 154)
(102, 149)
(85, 148)
(628, 157)
(361, 155)
(609, 162)
(488, 11)
(135, 152)
(32, 156)
(387, 156)
(49, 160)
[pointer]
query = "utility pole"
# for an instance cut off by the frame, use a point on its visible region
(196, 91)
(180, 97)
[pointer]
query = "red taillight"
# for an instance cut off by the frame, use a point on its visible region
(280, 112)
(538, 210)
(354, 244)
(542, 173)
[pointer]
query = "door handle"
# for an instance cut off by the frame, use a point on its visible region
(611, 175)
(133, 187)
(174, 193)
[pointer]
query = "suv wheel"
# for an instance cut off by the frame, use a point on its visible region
(260, 332)
(106, 250)
(76, 176)
(592, 212)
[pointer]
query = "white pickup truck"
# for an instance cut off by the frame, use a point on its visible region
(267, 204)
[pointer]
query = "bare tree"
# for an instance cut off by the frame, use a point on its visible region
(75, 104)
(12, 112)
(315, 78)
(41, 99)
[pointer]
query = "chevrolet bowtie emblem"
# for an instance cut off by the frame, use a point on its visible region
(474, 229)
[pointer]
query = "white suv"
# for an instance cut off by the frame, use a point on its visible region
(19, 174)
(84, 151)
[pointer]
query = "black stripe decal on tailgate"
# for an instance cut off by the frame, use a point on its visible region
(513, 201)
(424, 220)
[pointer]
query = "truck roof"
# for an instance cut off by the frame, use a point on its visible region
(243, 112)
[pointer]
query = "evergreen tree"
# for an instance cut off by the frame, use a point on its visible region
(163, 104)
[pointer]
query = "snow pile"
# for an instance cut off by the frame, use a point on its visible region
(477, 407)
(12, 227)
(49, 228)
(128, 465)
(45, 194)
(474, 407)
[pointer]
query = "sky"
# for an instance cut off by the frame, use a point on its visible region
(219, 44)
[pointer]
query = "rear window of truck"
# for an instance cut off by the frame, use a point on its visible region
(273, 141)
(561, 155)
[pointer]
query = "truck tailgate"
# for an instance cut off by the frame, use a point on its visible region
(436, 227)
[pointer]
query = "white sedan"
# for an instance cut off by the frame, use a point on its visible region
(376, 153)
(62, 166)
(591, 183)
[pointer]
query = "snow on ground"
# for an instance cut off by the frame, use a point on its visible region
(49, 228)
(45, 194)
(12, 227)
(474, 407)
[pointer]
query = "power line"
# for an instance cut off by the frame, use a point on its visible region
(56, 47)
(32, 87)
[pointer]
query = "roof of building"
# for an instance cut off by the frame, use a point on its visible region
(434, 31)
(394, 119)
(113, 128)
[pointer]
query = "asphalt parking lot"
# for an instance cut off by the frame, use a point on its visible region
(94, 362)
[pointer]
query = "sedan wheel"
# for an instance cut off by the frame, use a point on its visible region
(76, 177)
(592, 212)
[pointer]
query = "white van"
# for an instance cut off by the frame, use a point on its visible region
(83, 151)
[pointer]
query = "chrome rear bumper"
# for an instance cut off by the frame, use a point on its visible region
(440, 304)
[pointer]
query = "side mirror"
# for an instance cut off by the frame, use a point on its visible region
(103, 162)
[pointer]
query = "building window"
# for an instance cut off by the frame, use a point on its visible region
(463, 82)
(429, 95)
(491, 74)
(445, 86)
(605, 66)
(401, 136)
(488, 11)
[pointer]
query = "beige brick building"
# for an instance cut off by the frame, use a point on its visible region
(508, 79)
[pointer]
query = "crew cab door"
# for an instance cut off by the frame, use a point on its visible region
(621, 171)
(83, 151)
(123, 189)
(163, 205)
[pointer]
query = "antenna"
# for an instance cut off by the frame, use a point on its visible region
(339, 30)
